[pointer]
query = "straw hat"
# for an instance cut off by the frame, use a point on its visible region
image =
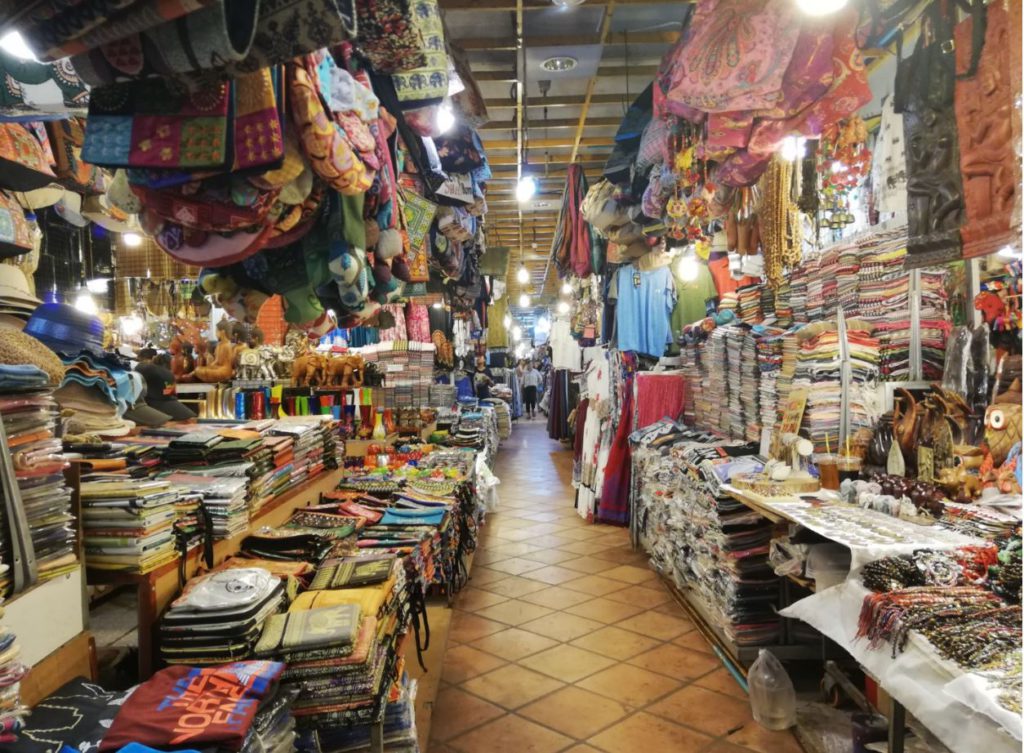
(18, 348)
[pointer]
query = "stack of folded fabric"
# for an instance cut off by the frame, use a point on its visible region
(349, 686)
(220, 616)
(504, 415)
(818, 370)
(12, 713)
(30, 421)
(768, 344)
(241, 707)
(734, 378)
(749, 304)
(784, 302)
(192, 448)
(716, 389)
(936, 324)
(225, 497)
(129, 525)
(750, 377)
(399, 728)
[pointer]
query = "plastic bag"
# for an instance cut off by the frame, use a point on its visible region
(772, 698)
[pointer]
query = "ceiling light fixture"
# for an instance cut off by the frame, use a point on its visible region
(524, 300)
(523, 275)
(437, 305)
(526, 188)
(560, 63)
(565, 4)
(14, 44)
(517, 333)
(507, 321)
(563, 307)
(566, 288)
(688, 267)
(445, 117)
(132, 240)
(85, 303)
(821, 7)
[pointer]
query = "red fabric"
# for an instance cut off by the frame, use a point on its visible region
(658, 396)
(578, 231)
(724, 283)
(188, 707)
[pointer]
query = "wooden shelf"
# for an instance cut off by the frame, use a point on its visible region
(158, 588)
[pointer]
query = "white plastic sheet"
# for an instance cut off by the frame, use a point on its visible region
(918, 678)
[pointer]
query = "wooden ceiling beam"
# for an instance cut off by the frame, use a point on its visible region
(551, 143)
(508, 5)
(492, 44)
(509, 125)
(559, 101)
(605, 71)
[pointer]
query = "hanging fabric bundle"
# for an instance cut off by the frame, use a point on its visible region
(924, 95)
(984, 103)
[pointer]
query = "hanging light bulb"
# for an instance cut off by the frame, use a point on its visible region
(688, 267)
(507, 321)
(445, 117)
(517, 333)
(14, 44)
(563, 307)
(820, 7)
(85, 303)
(543, 325)
(524, 300)
(132, 240)
(437, 305)
(526, 188)
(566, 288)
(131, 325)
(792, 148)
(523, 275)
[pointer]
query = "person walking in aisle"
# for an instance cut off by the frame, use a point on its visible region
(531, 383)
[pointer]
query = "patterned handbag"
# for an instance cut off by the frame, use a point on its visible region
(419, 213)
(15, 234)
(325, 144)
(73, 173)
(153, 124)
(389, 36)
(23, 166)
(425, 83)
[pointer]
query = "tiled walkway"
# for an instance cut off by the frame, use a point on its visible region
(566, 641)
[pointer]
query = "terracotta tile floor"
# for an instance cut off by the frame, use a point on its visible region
(564, 640)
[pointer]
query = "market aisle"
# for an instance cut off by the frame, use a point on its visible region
(565, 640)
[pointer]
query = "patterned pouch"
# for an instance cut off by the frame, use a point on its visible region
(389, 36)
(152, 124)
(15, 235)
(23, 166)
(66, 137)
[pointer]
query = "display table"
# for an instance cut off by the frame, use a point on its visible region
(935, 691)
(157, 589)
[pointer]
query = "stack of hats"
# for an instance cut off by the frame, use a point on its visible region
(128, 524)
(220, 616)
(16, 300)
(26, 363)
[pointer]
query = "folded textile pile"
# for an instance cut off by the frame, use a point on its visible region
(242, 705)
(346, 680)
(30, 421)
(706, 542)
(223, 496)
(220, 616)
(399, 728)
(129, 525)
(12, 713)
(818, 367)
(82, 711)
(768, 346)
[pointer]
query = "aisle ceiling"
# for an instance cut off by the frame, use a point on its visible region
(617, 46)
